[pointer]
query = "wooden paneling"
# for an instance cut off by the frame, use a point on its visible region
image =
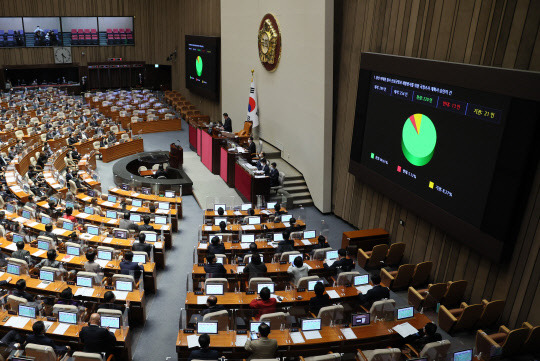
(159, 29)
(487, 32)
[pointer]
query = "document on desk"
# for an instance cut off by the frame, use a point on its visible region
(193, 341)
(12, 247)
(111, 221)
(85, 291)
(135, 194)
(17, 322)
(58, 231)
(306, 242)
(43, 285)
(121, 295)
(201, 300)
(241, 340)
(88, 199)
(107, 204)
(113, 189)
(364, 288)
(237, 213)
(61, 328)
(348, 333)
(245, 245)
(20, 219)
(83, 215)
(85, 236)
(107, 240)
(39, 253)
(240, 269)
(297, 337)
(208, 228)
(102, 262)
(162, 211)
(332, 294)
(248, 227)
(312, 335)
(405, 329)
(134, 209)
(287, 224)
(67, 258)
(32, 224)
(203, 246)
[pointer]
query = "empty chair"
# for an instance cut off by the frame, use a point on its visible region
(88, 356)
(125, 137)
(426, 298)
(346, 278)
(383, 309)
(256, 280)
(421, 273)
(276, 319)
(533, 340)
(491, 314)
(42, 353)
(382, 354)
(19, 134)
(395, 254)
(320, 253)
(463, 318)
(217, 281)
(222, 318)
(331, 314)
(454, 293)
(13, 302)
(328, 357)
(373, 258)
(303, 281)
(436, 351)
(505, 342)
(399, 279)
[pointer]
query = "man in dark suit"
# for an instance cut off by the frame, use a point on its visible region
(38, 337)
(252, 148)
(204, 353)
(216, 247)
(109, 302)
(320, 300)
(146, 226)
(211, 302)
(96, 338)
(274, 175)
(266, 168)
(127, 266)
(343, 264)
(227, 123)
(214, 269)
(142, 246)
(377, 293)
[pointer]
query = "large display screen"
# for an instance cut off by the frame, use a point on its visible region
(202, 65)
(444, 149)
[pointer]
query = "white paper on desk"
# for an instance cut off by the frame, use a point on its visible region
(61, 328)
(107, 204)
(111, 221)
(193, 341)
(165, 228)
(48, 324)
(332, 294)
(17, 322)
(20, 219)
(88, 199)
(162, 211)
(312, 335)
(348, 333)
(364, 288)
(102, 262)
(135, 194)
(56, 186)
(134, 209)
(245, 245)
(287, 224)
(43, 285)
(158, 245)
(121, 295)
(12, 247)
(201, 300)
(306, 242)
(203, 246)
(83, 215)
(240, 269)
(107, 240)
(237, 213)
(216, 213)
(208, 228)
(58, 231)
(39, 253)
(297, 337)
(85, 236)
(85, 291)
(405, 329)
(67, 258)
(241, 340)
(32, 224)
(248, 227)
(114, 189)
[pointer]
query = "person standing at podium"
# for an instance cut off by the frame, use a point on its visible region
(227, 123)
(252, 148)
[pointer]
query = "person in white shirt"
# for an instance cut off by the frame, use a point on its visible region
(298, 269)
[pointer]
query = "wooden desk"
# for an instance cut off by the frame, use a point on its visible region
(120, 150)
(250, 186)
(166, 125)
(375, 335)
(365, 239)
(210, 151)
(233, 214)
(258, 228)
(226, 170)
(149, 197)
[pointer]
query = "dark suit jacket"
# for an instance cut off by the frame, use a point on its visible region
(215, 308)
(227, 125)
(252, 150)
(45, 341)
(285, 246)
(97, 339)
(255, 270)
(219, 249)
(146, 227)
(316, 303)
(215, 269)
(274, 177)
(341, 265)
(266, 169)
(143, 247)
(126, 267)
(203, 354)
(377, 293)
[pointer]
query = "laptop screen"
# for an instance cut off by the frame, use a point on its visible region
(254, 326)
(26, 214)
(278, 237)
(111, 199)
(139, 258)
(46, 276)
(110, 321)
(88, 210)
(254, 220)
(218, 206)
(93, 230)
(84, 281)
(73, 251)
(248, 238)
(465, 355)
(68, 226)
(405, 312)
(124, 286)
(91, 193)
(17, 238)
(171, 194)
(105, 255)
(215, 289)
(360, 319)
(27, 311)
(331, 254)
(10, 207)
(311, 284)
(13, 269)
(207, 327)
(145, 190)
(292, 257)
(311, 324)
(111, 214)
(309, 234)
(270, 286)
(160, 220)
(44, 245)
(136, 203)
(67, 317)
(245, 206)
(45, 219)
(286, 218)
(163, 205)
(70, 205)
(134, 217)
(361, 280)
(270, 205)
(120, 234)
(218, 220)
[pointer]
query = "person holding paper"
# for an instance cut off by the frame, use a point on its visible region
(204, 353)
(96, 338)
(377, 293)
(263, 347)
(264, 303)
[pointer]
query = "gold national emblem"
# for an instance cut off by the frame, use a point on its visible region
(269, 40)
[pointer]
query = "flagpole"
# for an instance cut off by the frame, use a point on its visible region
(254, 129)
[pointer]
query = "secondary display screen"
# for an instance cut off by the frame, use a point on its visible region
(202, 65)
(444, 147)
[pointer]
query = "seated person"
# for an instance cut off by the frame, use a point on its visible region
(259, 163)
(220, 211)
(298, 270)
(256, 267)
(66, 298)
(90, 265)
(222, 227)
(214, 269)
(277, 209)
(343, 264)
(50, 261)
(204, 353)
(141, 246)
(321, 243)
(127, 223)
(216, 247)
(263, 347)
(95, 338)
(146, 223)
(128, 267)
(49, 233)
(160, 172)
(377, 293)
(320, 300)
(273, 173)
(211, 303)
(21, 253)
(20, 291)
(424, 336)
(109, 302)
(69, 216)
(287, 245)
(250, 213)
(264, 303)
(38, 337)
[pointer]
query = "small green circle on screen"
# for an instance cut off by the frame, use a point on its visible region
(418, 139)
(198, 65)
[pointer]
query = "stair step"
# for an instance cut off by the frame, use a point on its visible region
(297, 189)
(293, 183)
(300, 195)
(295, 177)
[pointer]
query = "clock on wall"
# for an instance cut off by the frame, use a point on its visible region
(62, 55)
(269, 42)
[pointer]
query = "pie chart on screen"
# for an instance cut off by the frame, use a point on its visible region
(418, 139)
(198, 65)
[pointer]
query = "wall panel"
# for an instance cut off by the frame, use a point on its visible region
(487, 32)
